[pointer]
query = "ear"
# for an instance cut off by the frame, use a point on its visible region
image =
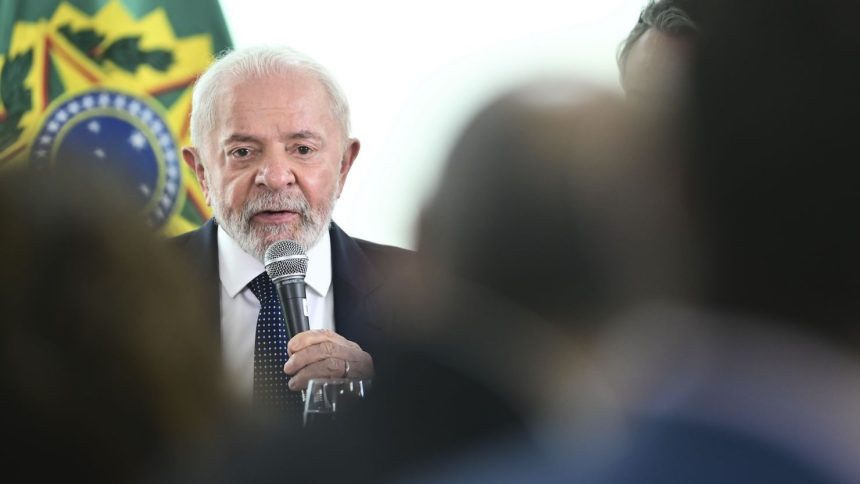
(349, 155)
(192, 159)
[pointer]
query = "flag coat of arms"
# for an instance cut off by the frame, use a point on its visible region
(107, 84)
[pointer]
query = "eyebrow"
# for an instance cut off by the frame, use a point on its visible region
(302, 134)
(239, 137)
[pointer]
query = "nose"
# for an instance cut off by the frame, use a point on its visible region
(275, 172)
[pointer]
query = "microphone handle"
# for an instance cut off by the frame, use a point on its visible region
(294, 304)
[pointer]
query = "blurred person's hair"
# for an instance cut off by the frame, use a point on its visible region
(773, 175)
(106, 365)
(671, 17)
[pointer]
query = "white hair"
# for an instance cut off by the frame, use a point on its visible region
(257, 62)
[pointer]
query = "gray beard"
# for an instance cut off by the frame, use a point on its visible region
(255, 238)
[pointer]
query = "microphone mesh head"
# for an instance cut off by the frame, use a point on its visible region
(285, 258)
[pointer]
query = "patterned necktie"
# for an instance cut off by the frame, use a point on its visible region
(270, 353)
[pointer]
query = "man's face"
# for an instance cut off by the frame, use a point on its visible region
(275, 161)
(656, 67)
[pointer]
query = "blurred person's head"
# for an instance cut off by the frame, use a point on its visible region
(557, 208)
(556, 199)
(108, 366)
(271, 146)
(772, 179)
(654, 58)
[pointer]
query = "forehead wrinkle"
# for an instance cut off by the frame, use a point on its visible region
(240, 137)
(226, 93)
(303, 134)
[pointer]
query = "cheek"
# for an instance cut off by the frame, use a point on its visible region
(319, 186)
(234, 192)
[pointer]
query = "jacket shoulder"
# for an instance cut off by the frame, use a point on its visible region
(374, 250)
(197, 239)
(388, 260)
(200, 248)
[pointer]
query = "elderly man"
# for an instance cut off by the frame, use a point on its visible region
(271, 150)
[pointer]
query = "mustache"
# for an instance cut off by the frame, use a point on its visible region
(276, 202)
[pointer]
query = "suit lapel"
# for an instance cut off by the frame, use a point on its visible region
(201, 250)
(355, 279)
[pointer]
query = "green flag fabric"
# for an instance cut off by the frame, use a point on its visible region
(107, 84)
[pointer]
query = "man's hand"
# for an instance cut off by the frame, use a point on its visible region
(322, 353)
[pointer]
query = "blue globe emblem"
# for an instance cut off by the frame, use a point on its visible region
(116, 133)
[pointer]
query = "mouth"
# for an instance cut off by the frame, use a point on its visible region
(276, 216)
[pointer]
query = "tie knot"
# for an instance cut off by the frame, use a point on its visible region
(262, 287)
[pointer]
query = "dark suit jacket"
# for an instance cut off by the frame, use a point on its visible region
(422, 405)
(360, 270)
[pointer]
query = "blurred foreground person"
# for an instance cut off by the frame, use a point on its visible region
(557, 208)
(555, 201)
(106, 370)
(751, 374)
(758, 378)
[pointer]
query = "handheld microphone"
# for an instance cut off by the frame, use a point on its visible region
(287, 264)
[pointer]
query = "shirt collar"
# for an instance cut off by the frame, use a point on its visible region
(237, 268)
(318, 277)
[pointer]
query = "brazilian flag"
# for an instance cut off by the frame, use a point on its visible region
(107, 83)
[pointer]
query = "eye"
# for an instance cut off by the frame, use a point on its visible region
(241, 152)
(304, 150)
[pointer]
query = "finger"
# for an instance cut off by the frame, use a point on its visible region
(360, 363)
(312, 354)
(312, 337)
(345, 350)
(327, 368)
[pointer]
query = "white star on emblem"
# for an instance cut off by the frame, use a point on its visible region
(62, 116)
(104, 99)
(100, 153)
(137, 140)
(144, 190)
(94, 126)
(88, 102)
(74, 107)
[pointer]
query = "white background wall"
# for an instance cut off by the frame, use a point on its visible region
(415, 72)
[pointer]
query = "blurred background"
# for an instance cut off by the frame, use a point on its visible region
(415, 72)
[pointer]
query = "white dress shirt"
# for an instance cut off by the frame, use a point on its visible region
(239, 306)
